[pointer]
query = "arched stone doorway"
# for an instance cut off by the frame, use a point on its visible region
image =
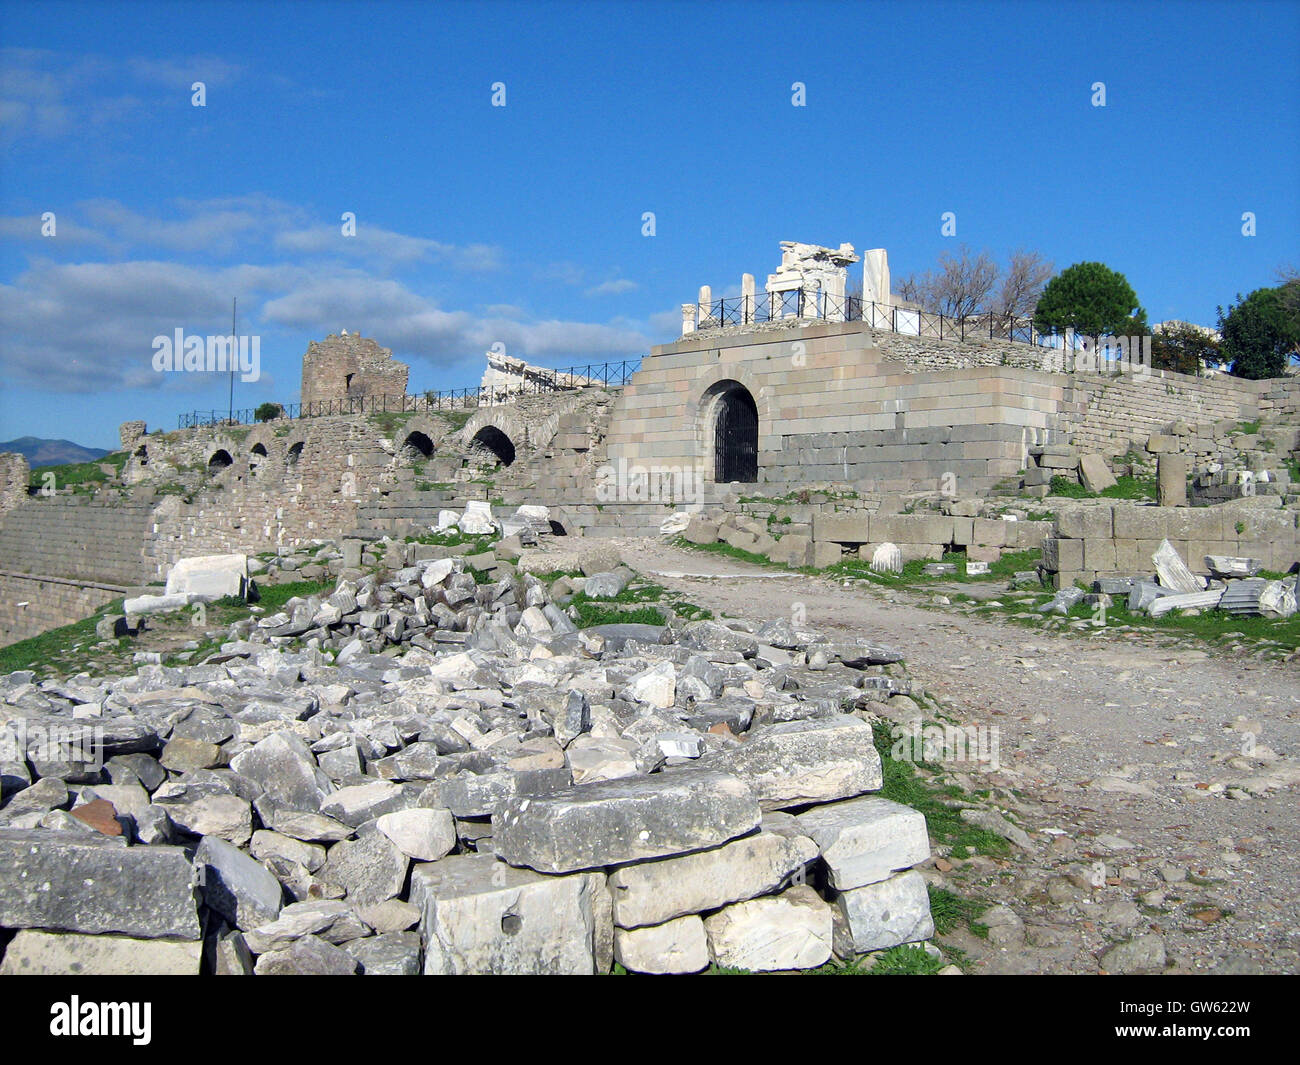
(493, 440)
(256, 456)
(416, 447)
(219, 461)
(734, 415)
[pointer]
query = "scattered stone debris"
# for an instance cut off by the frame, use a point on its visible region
(434, 769)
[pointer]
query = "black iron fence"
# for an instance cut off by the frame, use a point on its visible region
(530, 381)
(816, 304)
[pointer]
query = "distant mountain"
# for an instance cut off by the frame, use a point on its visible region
(40, 452)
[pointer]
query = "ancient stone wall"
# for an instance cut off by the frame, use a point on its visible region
(1104, 540)
(32, 605)
(15, 473)
(1112, 413)
(69, 536)
(350, 367)
(844, 403)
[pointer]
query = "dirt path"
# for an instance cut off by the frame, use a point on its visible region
(1118, 750)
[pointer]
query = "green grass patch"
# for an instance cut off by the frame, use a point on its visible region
(1070, 489)
(70, 475)
(1131, 488)
(903, 785)
(950, 911)
(1247, 428)
(272, 597)
(51, 652)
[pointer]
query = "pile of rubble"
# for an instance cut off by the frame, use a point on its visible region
(428, 774)
(1230, 584)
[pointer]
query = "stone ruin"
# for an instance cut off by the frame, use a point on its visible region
(512, 795)
(505, 379)
(347, 367)
(819, 275)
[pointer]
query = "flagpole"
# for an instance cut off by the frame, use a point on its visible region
(234, 348)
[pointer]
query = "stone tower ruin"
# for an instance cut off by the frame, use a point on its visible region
(348, 367)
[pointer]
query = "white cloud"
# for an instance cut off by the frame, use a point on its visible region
(613, 288)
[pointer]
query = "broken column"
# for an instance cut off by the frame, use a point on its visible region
(747, 297)
(1171, 489)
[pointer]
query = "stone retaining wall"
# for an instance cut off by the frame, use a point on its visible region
(31, 605)
(1102, 541)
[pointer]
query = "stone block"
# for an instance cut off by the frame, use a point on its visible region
(209, 576)
(798, 762)
(841, 528)
(883, 915)
(650, 893)
(93, 883)
(992, 533)
(242, 890)
(866, 840)
(1099, 556)
(1141, 523)
(677, 946)
(38, 953)
(793, 930)
(1160, 444)
(1095, 473)
(1171, 481)
(617, 821)
(824, 554)
(481, 916)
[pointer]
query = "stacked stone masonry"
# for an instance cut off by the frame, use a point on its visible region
(1106, 541)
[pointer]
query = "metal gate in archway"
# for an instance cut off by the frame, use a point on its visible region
(736, 437)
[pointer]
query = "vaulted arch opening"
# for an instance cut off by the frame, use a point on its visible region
(495, 442)
(220, 460)
(416, 447)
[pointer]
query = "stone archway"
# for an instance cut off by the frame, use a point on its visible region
(219, 460)
(494, 441)
(417, 447)
(732, 439)
(256, 456)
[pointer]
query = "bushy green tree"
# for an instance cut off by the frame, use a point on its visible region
(1261, 332)
(1183, 348)
(1093, 300)
(268, 412)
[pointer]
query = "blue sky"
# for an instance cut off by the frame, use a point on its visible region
(522, 225)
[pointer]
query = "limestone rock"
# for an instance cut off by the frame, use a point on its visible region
(36, 953)
(481, 916)
(678, 946)
(240, 889)
(797, 762)
(883, 915)
(654, 892)
(792, 930)
(618, 821)
(370, 868)
(93, 884)
(420, 833)
(867, 840)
